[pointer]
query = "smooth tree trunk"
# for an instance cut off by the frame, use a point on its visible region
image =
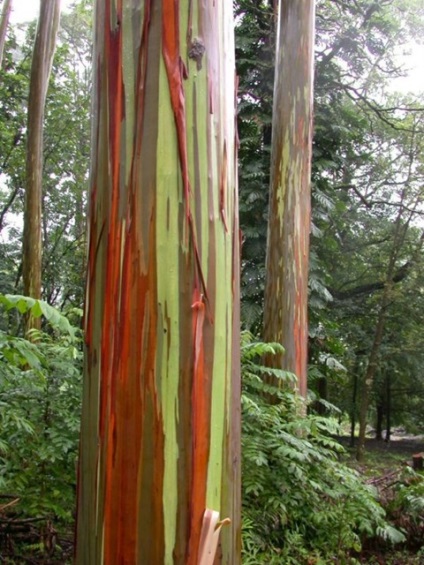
(372, 367)
(159, 470)
(388, 408)
(354, 402)
(42, 60)
(4, 22)
(379, 422)
(286, 290)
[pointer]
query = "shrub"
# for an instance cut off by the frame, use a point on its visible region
(301, 505)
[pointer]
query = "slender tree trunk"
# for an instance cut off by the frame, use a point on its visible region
(354, 403)
(159, 454)
(42, 61)
(373, 362)
(379, 422)
(4, 22)
(285, 305)
(388, 408)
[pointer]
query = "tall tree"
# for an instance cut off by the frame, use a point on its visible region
(286, 289)
(7, 8)
(159, 456)
(42, 61)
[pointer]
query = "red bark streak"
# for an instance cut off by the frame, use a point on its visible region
(141, 78)
(200, 427)
(176, 71)
(122, 390)
(113, 54)
(171, 55)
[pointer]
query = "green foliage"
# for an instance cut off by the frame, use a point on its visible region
(301, 504)
(40, 389)
(405, 505)
(255, 47)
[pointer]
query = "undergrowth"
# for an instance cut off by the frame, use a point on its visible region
(40, 396)
(301, 504)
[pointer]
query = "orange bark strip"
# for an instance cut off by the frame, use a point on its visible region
(200, 426)
(174, 70)
(109, 425)
(113, 56)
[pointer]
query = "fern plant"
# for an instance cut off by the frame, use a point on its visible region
(301, 505)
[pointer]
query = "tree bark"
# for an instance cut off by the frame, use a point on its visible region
(42, 61)
(286, 290)
(159, 454)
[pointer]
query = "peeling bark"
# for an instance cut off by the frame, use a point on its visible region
(160, 433)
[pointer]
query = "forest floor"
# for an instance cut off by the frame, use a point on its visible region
(383, 463)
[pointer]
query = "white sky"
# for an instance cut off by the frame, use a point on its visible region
(414, 62)
(27, 10)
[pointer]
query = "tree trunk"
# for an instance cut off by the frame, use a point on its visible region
(322, 390)
(42, 61)
(372, 366)
(286, 290)
(379, 422)
(388, 408)
(7, 8)
(159, 454)
(354, 401)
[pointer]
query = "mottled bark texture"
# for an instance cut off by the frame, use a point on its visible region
(5, 16)
(42, 60)
(161, 402)
(286, 291)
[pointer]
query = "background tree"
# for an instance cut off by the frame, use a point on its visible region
(354, 104)
(42, 60)
(286, 290)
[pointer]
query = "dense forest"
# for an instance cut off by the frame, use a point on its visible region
(326, 403)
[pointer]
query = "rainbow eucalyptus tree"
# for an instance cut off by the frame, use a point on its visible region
(159, 454)
(286, 290)
(42, 60)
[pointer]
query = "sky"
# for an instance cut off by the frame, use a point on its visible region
(25, 10)
(414, 62)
